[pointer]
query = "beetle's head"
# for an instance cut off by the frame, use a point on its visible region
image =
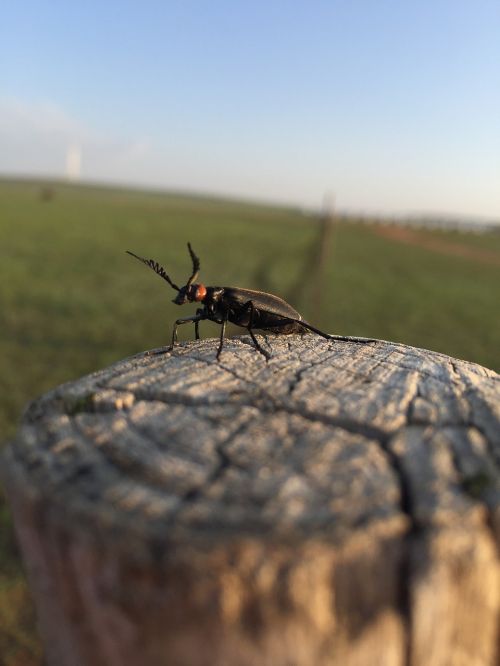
(190, 292)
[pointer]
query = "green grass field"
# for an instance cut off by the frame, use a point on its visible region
(72, 301)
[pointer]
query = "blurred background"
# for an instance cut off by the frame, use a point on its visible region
(345, 156)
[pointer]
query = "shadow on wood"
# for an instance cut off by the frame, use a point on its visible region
(338, 505)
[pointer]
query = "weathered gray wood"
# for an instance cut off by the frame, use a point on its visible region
(337, 505)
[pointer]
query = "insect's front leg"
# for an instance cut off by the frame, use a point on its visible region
(185, 320)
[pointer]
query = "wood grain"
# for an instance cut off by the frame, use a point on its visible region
(338, 505)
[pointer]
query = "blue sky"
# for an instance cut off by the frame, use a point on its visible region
(392, 106)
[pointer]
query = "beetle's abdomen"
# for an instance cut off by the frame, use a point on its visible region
(286, 328)
(270, 312)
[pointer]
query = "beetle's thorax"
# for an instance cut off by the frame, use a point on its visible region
(213, 295)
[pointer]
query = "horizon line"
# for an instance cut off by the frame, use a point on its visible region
(411, 215)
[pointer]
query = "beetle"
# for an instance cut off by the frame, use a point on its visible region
(248, 308)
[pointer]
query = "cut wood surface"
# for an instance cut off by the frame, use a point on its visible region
(337, 505)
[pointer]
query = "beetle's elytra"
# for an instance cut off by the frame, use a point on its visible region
(247, 308)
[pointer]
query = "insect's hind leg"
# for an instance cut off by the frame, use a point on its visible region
(313, 329)
(327, 336)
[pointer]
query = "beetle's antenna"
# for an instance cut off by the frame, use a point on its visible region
(156, 267)
(196, 266)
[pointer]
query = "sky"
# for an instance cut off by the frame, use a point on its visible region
(390, 106)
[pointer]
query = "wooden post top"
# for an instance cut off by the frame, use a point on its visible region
(376, 463)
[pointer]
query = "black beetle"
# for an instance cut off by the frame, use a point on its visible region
(248, 308)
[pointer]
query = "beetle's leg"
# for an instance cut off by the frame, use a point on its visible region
(185, 320)
(343, 338)
(352, 338)
(250, 306)
(222, 333)
(315, 330)
(201, 313)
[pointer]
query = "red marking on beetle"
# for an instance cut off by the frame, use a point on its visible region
(201, 292)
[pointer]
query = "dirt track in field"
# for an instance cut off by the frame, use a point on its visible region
(422, 239)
